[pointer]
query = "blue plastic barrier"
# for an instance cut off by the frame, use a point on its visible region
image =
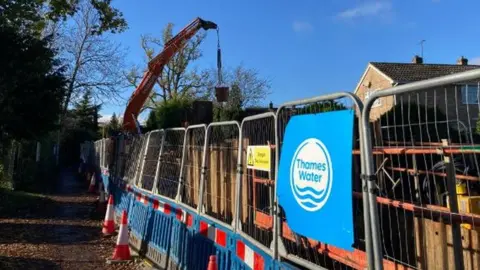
(183, 232)
(105, 179)
(211, 239)
(285, 266)
(159, 240)
(123, 200)
(116, 191)
(139, 217)
(174, 237)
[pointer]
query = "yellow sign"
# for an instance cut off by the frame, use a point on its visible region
(258, 157)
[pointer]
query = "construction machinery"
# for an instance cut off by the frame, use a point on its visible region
(155, 68)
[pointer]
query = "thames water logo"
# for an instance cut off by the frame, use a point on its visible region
(311, 175)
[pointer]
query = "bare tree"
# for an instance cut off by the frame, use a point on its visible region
(248, 88)
(95, 62)
(178, 79)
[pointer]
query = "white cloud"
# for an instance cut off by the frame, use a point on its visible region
(302, 26)
(368, 9)
(105, 119)
(475, 61)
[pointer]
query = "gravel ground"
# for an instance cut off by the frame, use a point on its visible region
(59, 231)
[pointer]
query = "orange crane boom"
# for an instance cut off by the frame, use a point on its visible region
(155, 68)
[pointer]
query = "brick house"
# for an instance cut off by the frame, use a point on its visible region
(461, 99)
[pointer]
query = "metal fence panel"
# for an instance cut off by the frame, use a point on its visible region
(151, 160)
(102, 153)
(220, 161)
(257, 186)
(308, 252)
(170, 162)
(424, 152)
(98, 151)
(117, 156)
(192, 165)
(109, 152)
(133, 151)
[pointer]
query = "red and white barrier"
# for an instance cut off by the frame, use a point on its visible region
(215, 234)
(142, 198)
(249, 257)
(167, 209)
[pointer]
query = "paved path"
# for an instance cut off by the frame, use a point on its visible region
(58, 231)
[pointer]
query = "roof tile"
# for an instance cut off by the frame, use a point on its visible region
(409, 72)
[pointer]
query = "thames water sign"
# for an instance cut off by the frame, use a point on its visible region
(315, 177)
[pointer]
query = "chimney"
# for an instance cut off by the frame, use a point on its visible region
(462, 61)
(417, 60)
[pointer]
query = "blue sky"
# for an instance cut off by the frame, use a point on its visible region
(311, 47)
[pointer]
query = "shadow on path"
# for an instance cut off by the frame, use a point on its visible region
(61, 230)
(47, 233)
(26, 263)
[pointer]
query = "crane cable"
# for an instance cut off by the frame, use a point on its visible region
(219, 59)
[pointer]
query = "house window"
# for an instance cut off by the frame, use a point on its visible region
(377, 102)
(470, 94)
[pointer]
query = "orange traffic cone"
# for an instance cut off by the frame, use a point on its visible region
(109, 223)
(122, 250)
(212, 263)
(91, 188)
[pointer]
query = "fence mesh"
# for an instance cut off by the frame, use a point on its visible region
(257, 186)
(426, 156)
(221, 167)
(298, 245)
(170, 162)
(98, 153)
(151, 159)
(192, 165)
(120, 157)
(109, 146)
(133, 153)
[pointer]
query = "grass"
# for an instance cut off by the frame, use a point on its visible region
(17, 203)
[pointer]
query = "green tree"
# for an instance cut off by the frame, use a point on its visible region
(251, 89)
(113, 127)
(179, 79)
(34, 15)
(31, 85)
(79, 124)
(247, 89)
(152, 122)
(232, 110)
(84, 116)
(172, 113)
(323, 106)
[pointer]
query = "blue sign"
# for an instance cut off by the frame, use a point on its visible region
(315, 177)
